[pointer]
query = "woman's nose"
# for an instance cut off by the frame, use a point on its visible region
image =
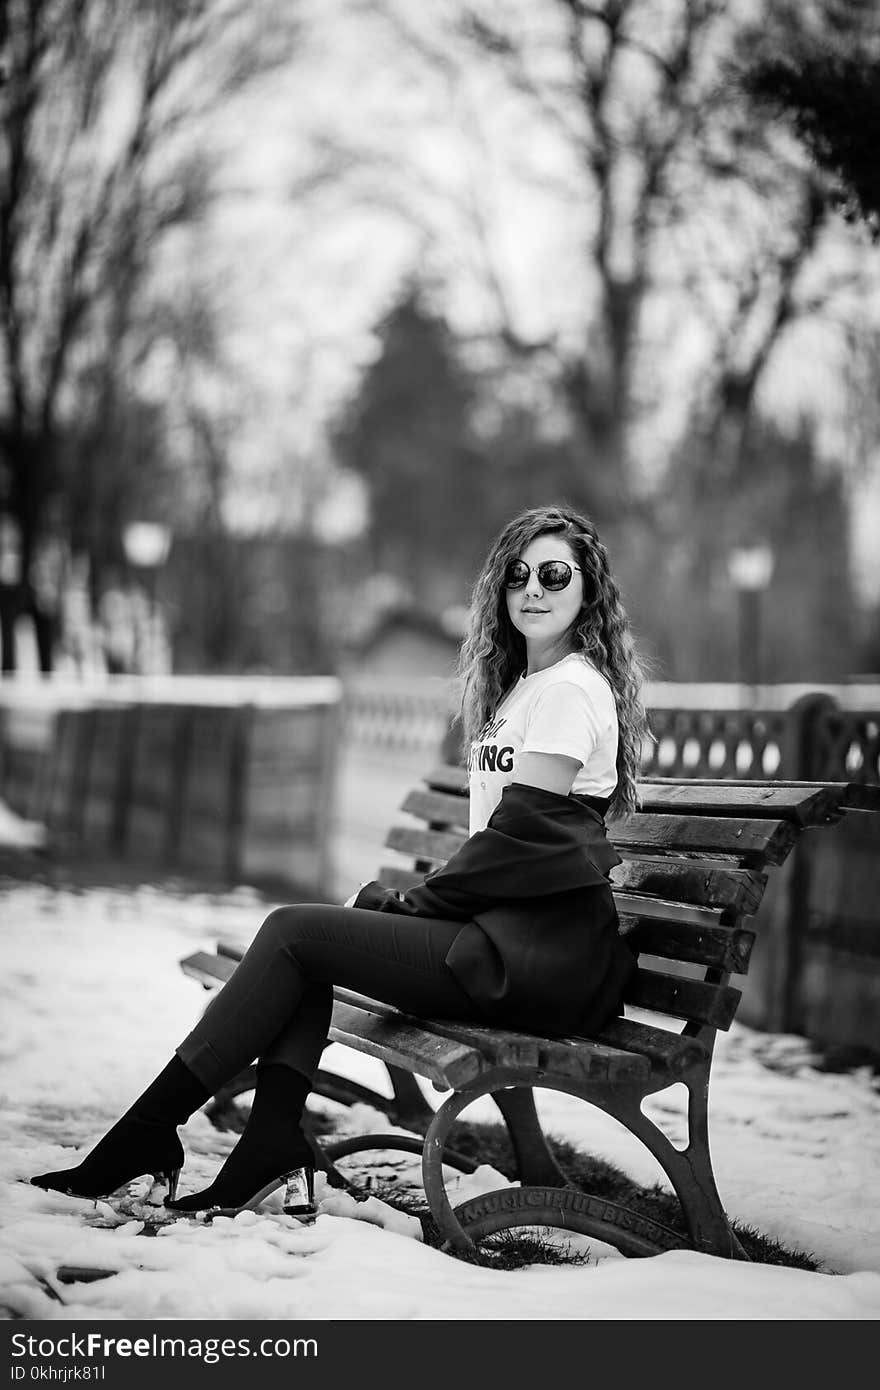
(533, 587)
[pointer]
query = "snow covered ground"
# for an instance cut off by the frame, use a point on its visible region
(93, 1003)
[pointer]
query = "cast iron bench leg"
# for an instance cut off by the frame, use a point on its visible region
(534, 1161)
(689, 1170)
(410, 1106)
(563, 1207)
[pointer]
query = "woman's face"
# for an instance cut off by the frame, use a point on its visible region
(545, 617)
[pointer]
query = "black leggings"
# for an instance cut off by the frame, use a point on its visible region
(276, 1006)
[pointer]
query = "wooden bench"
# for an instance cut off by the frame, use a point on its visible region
(695, 863)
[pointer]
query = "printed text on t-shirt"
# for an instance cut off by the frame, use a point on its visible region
(488, 757)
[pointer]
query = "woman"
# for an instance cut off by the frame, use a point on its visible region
(519, 928)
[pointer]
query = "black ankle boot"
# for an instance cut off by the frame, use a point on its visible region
(144, 1140)
(272, 1152)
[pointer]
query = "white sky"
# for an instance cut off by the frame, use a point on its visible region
(796, 1152)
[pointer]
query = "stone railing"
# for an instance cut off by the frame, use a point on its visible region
(811, 739)
(701, 731)
(845, 746)
(407, 715)
(788, 733)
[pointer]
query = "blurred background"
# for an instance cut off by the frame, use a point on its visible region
(301, 301)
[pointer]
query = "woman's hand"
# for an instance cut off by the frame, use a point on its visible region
(376, 898)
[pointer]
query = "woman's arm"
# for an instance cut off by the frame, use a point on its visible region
(532, 845)
(549, 772)
(552, 772)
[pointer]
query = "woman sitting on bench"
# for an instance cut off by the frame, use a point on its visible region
(518, 929)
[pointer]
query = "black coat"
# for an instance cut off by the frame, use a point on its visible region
(539, 948)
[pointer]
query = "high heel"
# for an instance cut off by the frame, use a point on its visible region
(273, 1151)
(298, 1201)
(171, 1180)
(131, 1149)
(299, 1194)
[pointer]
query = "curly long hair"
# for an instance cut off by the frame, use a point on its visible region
(493, 652)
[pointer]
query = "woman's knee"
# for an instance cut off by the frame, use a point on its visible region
(284, 925)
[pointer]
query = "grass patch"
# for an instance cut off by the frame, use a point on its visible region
(490, 1144)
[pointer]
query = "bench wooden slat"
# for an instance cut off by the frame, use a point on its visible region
(439, 808)
(493, 1048)
(399, 1043)
(695, 1000)
(209, 969)
(806, 805)
(849, 796)
(699, 935)
(753, 841)
(702, 884)
(718, 948)
(446, 777)
(668, 1052)
(434, 845)
(666, 910)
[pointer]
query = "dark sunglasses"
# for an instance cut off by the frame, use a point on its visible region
(552, 574)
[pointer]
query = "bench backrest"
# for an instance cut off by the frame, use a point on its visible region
(694, 868)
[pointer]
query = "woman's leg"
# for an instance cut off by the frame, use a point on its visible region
(277, 1006)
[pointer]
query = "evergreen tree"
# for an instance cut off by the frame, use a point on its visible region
(823, 73)
(408, 433)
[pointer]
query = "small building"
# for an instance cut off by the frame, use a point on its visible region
(406, 642)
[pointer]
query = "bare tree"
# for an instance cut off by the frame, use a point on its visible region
(686, 207)
(105, 116)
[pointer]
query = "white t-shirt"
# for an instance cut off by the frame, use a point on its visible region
(569, 708)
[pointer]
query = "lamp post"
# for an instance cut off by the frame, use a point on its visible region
(750, 568)
(146, 545)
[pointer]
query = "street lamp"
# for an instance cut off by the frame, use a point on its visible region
(146, 545)
(750, 568)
